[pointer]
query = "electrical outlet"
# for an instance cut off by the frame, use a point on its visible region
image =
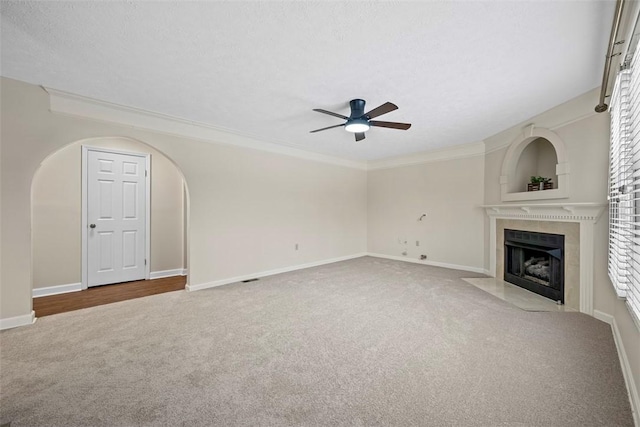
(417, 242)
(423, 257)
(404, 253)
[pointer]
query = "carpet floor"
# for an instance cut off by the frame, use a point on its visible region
(366, 342)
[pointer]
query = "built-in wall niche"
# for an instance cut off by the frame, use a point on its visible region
(538, 159)
(537, 152)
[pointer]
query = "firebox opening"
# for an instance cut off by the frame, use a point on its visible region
(535, 261)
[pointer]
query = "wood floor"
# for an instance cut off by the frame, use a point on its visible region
(45, 306)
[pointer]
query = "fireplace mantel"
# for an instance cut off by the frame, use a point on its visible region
(572, 212)
(586, 214)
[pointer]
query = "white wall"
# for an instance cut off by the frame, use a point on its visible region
(56, 202)
(248, 208)
(450, 192)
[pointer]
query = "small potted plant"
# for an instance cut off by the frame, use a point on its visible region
(539, 183)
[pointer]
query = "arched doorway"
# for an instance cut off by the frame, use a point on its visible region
(56, 194)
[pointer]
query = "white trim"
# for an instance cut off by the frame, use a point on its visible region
(147, 219)
(449, 153)
(56, 290)
(431, 263)
(574, 120)
(587, 214)
(491, 148)
(14, 322)
(512, 157)
(84, 280)
(168, 273)
(522, 196)
(571, 212)
(604, 317)
(84, 199)
(75, 105)
(627, 373)
(80, 106)
(587, 256)
(565, 114)
(236, 279)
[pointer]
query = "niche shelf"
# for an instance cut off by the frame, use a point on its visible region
(538, 152)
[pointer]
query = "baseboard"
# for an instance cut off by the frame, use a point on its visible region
(432, 263)
(632, 388)
(55, 290)
(606, 318)
(14, 322)
(168, 273)
(222, 282)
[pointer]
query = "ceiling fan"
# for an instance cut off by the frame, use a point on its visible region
(359, 122)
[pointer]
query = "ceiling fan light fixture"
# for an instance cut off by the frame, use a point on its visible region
(359, 122)
(357, 126)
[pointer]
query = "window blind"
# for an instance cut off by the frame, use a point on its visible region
(633, 286)
(618, 209)
(624, 187)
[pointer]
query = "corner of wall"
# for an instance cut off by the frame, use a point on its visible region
(14, 322)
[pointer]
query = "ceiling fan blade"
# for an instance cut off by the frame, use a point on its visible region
(328, 127)
(340, 116)
(385, 108)
(359, 136)
(392, 125)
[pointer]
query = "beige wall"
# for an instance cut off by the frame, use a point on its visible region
(586, 141)
(450, 192)
(248, 208)
(586, 138)
(56, 202)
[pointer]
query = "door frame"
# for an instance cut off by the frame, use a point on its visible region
(84, 223)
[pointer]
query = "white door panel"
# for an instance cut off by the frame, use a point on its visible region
(116, 217)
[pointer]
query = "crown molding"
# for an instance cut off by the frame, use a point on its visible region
(493, 146)
(80, 106)
(449, 153)
(70, 104)
(565, 114)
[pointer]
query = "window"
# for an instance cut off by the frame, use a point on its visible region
(624, 187)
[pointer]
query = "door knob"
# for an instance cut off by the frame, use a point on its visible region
(92, 226)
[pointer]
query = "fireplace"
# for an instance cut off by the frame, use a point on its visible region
(535, 261)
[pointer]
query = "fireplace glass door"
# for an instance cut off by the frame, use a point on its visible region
(535, 261)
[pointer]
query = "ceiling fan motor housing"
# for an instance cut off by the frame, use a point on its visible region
(357, 121)
(357, 108)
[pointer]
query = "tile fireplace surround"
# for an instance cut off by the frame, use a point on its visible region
(573, 220)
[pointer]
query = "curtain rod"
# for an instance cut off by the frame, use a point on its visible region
(602, 107)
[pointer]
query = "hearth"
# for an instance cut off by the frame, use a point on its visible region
(535, 261)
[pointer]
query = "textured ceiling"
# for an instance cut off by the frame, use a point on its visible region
(459, 71)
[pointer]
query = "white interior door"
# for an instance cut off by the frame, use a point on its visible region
(116, 217)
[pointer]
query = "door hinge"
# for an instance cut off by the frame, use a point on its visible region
(146, 173)
(145, 262)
